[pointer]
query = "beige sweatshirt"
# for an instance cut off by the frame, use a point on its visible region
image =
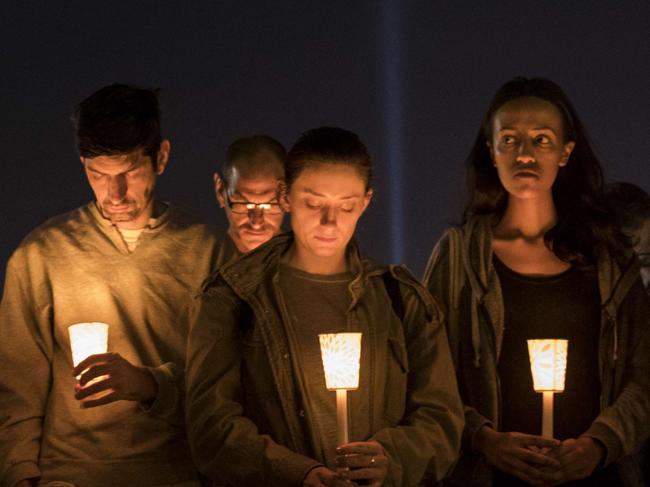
(77, 268)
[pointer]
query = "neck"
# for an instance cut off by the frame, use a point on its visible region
(334, 264)
(529, 218)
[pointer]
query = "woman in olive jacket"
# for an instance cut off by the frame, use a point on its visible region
(258, 411)
(539, 256)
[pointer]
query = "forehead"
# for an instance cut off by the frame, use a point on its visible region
(260, 184)
(329, 179)
(529, 112)
(116, 164)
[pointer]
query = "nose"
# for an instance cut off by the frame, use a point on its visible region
(525, 153)
(328, 216)
(117, 188)
(256, 218)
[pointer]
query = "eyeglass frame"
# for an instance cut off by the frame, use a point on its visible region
(265, 207)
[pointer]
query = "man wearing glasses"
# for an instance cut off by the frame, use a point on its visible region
(247, 189)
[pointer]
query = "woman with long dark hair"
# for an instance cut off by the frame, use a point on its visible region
(258, 411)
(538, 255)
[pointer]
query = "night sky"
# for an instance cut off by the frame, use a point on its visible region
(412, 78)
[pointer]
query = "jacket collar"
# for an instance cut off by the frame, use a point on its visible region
(246, 274)
(614, 279)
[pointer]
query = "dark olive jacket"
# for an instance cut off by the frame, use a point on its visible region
(249, 414)
(475, 329)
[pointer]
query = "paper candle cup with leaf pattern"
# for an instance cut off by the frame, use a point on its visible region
(548, 359)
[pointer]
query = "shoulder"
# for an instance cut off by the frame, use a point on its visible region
(449, 245)
(216, 289)
(183, 220)
(55, 232)
(412, 297)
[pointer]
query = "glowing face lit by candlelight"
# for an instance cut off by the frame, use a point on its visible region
(87, 339)
(341, 353)
(548, 363)
(124, 184)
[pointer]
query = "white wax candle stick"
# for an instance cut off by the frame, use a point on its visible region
(547, 415)
(342, 417)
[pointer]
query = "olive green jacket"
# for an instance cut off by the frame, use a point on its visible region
(462, 279)
(248, 412)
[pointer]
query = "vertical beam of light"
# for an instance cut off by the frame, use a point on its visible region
(393, 120)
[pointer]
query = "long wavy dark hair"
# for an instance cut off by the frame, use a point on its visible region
(585, 225)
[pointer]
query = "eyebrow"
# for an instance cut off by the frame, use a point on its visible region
(320, 195)
(133, 166)
(543, 127)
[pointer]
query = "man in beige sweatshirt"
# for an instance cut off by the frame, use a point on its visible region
(125, 259)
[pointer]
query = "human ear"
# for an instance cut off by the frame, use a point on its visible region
(218, 189)
(163, 156)
(367, 198)
(283, 197)
(568, 149)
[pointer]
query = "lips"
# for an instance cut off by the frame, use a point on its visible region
(526, 173)
(118, 209)
(325, 239)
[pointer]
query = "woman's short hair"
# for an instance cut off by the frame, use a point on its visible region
(330, 145)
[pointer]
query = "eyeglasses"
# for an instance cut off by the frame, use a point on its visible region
(245, 207)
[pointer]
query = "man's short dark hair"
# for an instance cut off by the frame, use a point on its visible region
(253, 155)
(118, 119)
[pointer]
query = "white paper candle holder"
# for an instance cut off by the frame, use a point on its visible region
(548, 359)
(87, 339)
(341, 353)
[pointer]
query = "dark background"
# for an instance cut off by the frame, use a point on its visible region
(412, 78)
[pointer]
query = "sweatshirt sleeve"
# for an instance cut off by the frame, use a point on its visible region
(427, 440)
(26, 349)
(226, 445)
(168, 403)
(623, 426)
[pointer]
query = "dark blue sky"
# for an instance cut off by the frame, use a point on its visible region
(412, 78)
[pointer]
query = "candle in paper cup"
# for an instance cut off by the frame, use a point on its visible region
(548, 358)
(548, 363)
(87, 339)
(340, 353)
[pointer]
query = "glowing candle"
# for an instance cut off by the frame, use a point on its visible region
(340, 353)
(548, 364)
(87, 339)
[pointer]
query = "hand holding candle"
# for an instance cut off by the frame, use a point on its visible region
(105, 377)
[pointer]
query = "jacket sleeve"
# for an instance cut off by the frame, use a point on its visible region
(226, 445)
(625, 424)
(26, 350)
(439, 281)
(427, 440)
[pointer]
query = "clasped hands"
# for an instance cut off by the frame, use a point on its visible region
(362, 460)
(108, 377)
(539, 460)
